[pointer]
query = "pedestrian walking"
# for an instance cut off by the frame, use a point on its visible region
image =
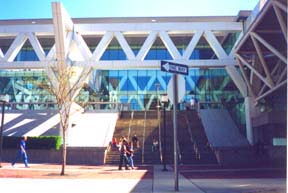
(22, 152)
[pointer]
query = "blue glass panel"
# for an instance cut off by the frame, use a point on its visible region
(26, 55)
(130, 86)
(142, 81)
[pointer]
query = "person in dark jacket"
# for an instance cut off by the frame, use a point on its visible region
(22, 152)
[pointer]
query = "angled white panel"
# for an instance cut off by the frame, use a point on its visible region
(125, 46)
(15, 47)
(84, 49)
(232, 52)
(1, 55)
(101, 47)
(237, 79)
(215, 45)
(80, 80)
(169, 45)
(67, 43)
(36, 46)
(52, 77)
(147, 45)
(51, 54)
(192, 44)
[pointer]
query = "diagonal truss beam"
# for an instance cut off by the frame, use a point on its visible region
(1, 55)
(36, 46)
(147, 45)
(15, 47)
(268, 46)
(253, 70)
(251, 92)
(263, 62)
(280, 20)
(215, 45)
(123, 43)
(101, 47)
(192, 45)
(169, 45)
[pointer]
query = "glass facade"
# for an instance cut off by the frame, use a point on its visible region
(139, 88)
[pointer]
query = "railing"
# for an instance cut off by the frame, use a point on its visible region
(53, 105)
(130, 123)
(144, 133)
(193, 141)
(31, 105)
(104, 106)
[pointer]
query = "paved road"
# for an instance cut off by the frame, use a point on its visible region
(42, 178)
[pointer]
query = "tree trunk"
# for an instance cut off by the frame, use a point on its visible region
(64, 120)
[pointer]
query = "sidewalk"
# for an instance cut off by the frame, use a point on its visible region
(146, 179)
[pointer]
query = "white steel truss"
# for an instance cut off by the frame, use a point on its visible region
(262, 53)
(107, 31)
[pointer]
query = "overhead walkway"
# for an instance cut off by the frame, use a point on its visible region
(221, 130)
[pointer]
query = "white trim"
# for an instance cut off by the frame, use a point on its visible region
(192, 44)
(147, 45)
(215, 45)
(36, 46)
(169, 45)
(101, 47)
(125, 46)
(15, 47)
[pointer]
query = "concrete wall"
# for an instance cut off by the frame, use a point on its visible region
(75, 155)
(271, 156)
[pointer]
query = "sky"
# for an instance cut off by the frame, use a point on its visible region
(25, 9)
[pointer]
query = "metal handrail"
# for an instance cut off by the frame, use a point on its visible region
(144, 133)
(130, 123)
(195, 146)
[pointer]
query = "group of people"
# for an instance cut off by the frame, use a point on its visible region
(126, 154)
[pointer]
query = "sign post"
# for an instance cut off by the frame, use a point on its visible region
(175, 135)
(175, 69)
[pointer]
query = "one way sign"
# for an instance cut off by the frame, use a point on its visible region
(174, 68)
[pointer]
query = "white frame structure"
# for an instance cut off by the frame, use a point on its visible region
(72, 33)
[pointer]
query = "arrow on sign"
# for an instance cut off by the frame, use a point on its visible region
(174, 68)
(166, 66)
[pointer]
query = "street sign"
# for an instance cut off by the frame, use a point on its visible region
(174, 68)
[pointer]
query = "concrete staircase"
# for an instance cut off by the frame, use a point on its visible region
(136, 124)
(203, 152)
(191, 138)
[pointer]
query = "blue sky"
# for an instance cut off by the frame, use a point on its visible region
(18, 9)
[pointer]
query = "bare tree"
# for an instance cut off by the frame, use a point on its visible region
(66, 79)
(66, 82)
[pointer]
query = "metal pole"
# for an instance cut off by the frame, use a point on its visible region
(164, 141)
(1, 132)
(175, 102)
